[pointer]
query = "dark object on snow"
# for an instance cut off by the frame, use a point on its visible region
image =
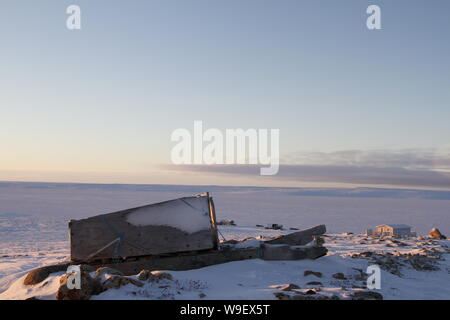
(40, 274)
(180, 225)
(89, 286)
(366, 295)
(226, 223)
(314, 273)
(275, 226)
(287, 252)
(282, 296)
(300, 238)
(436, 234)
(339, 276)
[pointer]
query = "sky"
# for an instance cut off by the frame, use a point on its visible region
(353, 106)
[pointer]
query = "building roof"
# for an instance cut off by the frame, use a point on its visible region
(396, 226)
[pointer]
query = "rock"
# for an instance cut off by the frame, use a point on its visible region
(360, 275)
(436, 234)
(89, 287)
(201, 295)
(422, 263)
(40, 274)
(275, 226)
(365, 254)
(286, 287)
(281, 296)
(115, 282)
(314, 273)
(366, 295)
(399, 243)
(308, 295)
(159, 275)
(144, 275)
(226, 223)
(339, 276)
(106, 270)
(154, 276)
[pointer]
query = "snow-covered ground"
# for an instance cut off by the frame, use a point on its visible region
(33, 232)
(258, 279)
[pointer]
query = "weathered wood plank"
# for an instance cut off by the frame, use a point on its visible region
(300, 238)
(189, 261)
(179, 225)
(213, 257)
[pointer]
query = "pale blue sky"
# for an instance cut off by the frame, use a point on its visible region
(106, 98)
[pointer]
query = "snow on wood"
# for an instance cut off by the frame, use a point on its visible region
(189, 214)
(180, 225)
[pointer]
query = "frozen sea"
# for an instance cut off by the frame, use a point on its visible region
(40, 211)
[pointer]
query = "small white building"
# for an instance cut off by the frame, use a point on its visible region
(394, 230)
